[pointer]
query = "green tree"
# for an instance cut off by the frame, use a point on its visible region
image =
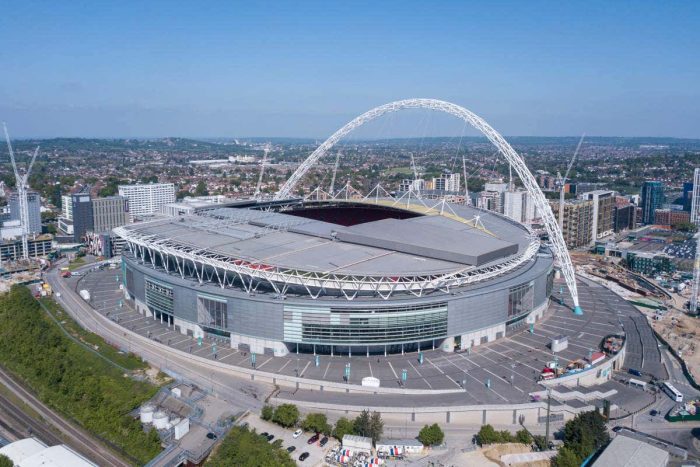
(316, 422)
(267, 412)
(523, 436)
(431, 435)
(566, 457)
(201, 189)
(244, 448)
(585, 433)
(369, 425)
(487, 435)
(343, 427)
(286, 415)
(505, 436)
(5, 461)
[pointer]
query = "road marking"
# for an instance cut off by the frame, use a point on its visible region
(324, 373)
(304, 370)
(370, 368)
(392, 369)
(263, 363)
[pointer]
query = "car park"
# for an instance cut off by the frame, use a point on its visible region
(304, 456)
(297, 433)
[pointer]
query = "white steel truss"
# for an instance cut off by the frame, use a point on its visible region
(193, 261)
(550, 223)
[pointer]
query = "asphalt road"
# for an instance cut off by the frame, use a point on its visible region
(75, 437)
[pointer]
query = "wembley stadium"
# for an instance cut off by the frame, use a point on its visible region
(353, 276)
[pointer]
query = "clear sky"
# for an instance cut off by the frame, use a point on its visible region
(206, 68)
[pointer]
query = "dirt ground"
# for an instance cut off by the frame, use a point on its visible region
(494, 453)
(680, 331)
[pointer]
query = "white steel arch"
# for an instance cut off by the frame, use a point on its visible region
(477, 122)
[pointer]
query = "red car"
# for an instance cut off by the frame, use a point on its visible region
(313, 439)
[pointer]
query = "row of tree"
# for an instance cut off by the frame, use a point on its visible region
(367, 424)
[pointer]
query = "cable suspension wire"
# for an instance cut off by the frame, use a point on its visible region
(529, 182)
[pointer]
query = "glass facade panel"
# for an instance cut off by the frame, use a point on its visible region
(159, 297)
(365, 326)
(521, 299)
(212, 313)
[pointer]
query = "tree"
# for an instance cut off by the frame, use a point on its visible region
(541, 442)
(523, 436)
(244, 448)
(267, 412)
(369, 425)
(431, 435)
(585, 433)
(487, 435)
(566, 457)
(286, 415)
(5, 461)
(343, 427)
(201, 189)
(316, 422)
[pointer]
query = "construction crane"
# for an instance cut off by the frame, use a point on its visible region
(335, 172)
(695, 219)
(22, 182)
(258, 193)
(562, 182)
(467, 201)
(415, 186)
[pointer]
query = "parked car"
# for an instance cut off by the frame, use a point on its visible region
(264, 434)
(304, 456)
(297, 433)
(312, 440)
(211, 435)
(323, 441)
(654, 413)
(291, 449)
(270, 437)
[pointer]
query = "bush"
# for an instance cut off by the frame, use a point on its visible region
(244, 448)
(5, 461)
(487, 435)
(431, 435)
(343, 427)
(523, 436)
(70, 378)
(267, 412)
(505, 437)
(585, 433)
(286, 415)
(540, 442)
(316, 422)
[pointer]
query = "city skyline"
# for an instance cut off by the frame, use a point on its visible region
(293, 70)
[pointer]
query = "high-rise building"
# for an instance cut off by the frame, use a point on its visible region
(67, 207)
(146, 200)
(652, 199)
(687, 198)
(490, 200)
(34, 207)
(448, 182)
(82, 215)
(515, 205)
(108, 213)
(603, 210)
(578, 222)
(624, 215)
(695, 199)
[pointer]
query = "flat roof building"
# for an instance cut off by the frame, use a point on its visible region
(146, 200)
(628, 452)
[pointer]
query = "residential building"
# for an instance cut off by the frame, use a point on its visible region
(695, 199)
(624, 216)
(516, 205)
(671, 217)
(578, 222)
(603, 210)
(110, 212)
(650, 264)
(11, 250)
(34, 207)
(490, 200)
(146, 200)
(652, 199)
(66, 207)
(412, 185)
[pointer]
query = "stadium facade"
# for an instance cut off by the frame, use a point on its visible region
(339, 277)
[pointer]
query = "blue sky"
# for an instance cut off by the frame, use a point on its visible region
(98, 68)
